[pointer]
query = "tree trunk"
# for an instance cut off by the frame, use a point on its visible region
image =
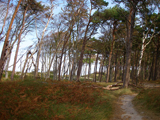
(64, 66)
(151, 69)
(111, 50)
(111, 73)
(89, 68)
(95, 68)
(55, 64)
(18, 44)
(40, 44)
(144, 70)
(101, 74)
(73, 68)
(109, 66)
(22, 77)
(55, 69)
(81, 60)
(123, 73)
(116, 68)
(130, 26)
(156, 64)
(64, 45)
(5, 45)
(7, 65)
(83, 49)
(140, 59)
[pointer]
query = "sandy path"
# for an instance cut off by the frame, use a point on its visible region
(129, 112)
(124, 109)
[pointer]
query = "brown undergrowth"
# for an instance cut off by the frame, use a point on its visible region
(53, 100)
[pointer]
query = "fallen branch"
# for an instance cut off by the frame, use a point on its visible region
(113, 87)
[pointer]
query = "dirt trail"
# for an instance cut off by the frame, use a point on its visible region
(129, 112)
(124, 109)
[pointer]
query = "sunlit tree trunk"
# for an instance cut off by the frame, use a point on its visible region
(6, 42)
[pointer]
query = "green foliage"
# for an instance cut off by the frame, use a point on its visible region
(99, 3)
(115, 13)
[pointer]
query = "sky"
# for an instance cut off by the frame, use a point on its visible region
(31, 38)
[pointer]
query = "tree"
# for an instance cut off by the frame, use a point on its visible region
(49, 16)
(6, 42)
(30, 7)
(19, 39)
(90, 26)
(130, 27)
(149, 32)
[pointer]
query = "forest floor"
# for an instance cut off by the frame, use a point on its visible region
(65, 100)
(126, 108)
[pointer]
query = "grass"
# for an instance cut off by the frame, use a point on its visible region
(38, 100)
(44, 100)
(150, 99)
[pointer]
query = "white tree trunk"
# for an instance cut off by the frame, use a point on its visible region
(141, 56)
(40, 44)
(145, 36)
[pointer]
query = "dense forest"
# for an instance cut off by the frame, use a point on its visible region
(86, 39)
